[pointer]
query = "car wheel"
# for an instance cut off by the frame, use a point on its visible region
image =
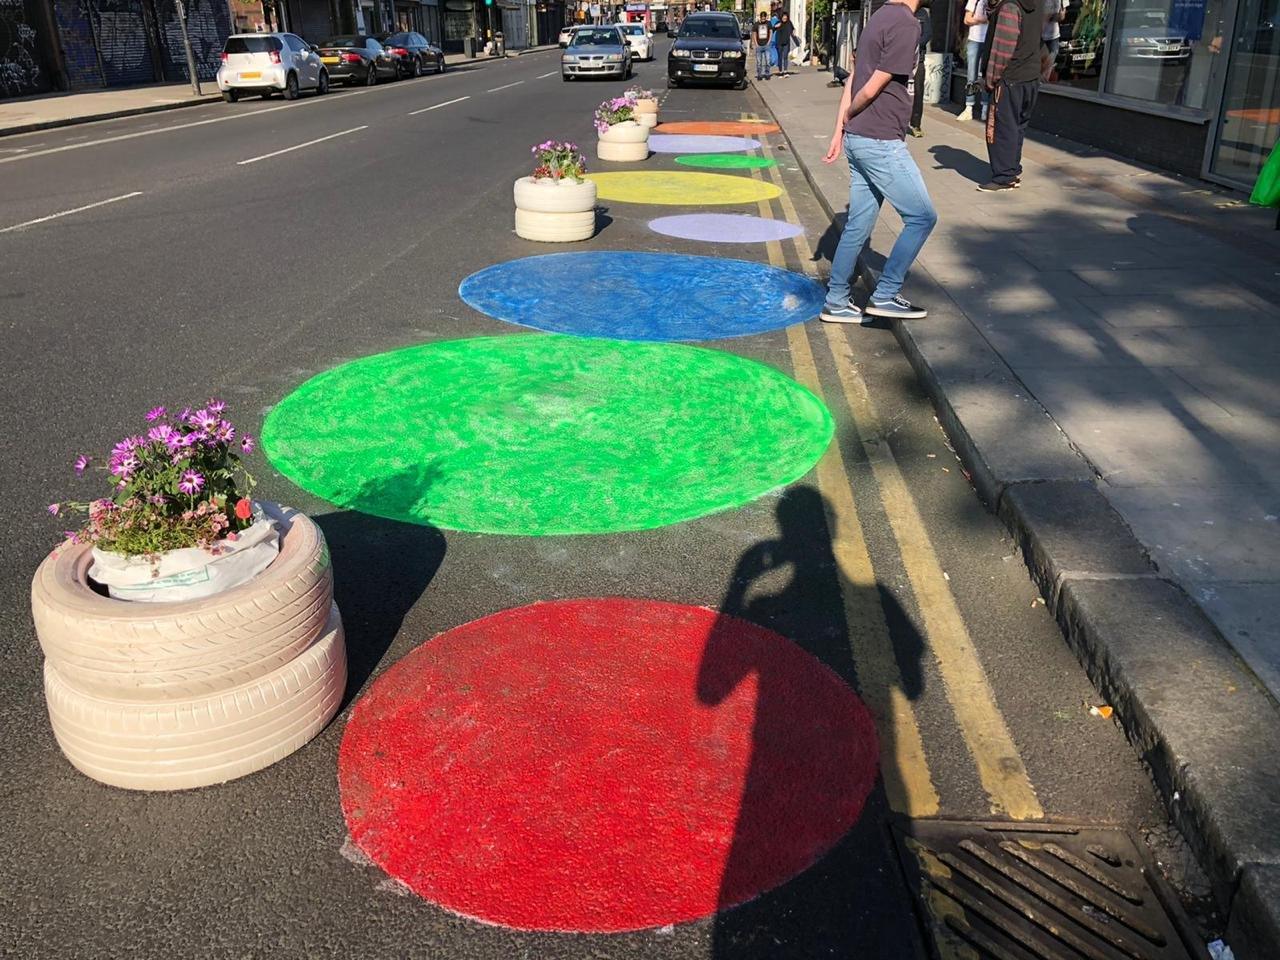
(231, 96)
(441, 66)
(371, 77)
(291, 87)
(322, 85)
(565, 77)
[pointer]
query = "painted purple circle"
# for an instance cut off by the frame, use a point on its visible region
(689, 143)
(724, 228)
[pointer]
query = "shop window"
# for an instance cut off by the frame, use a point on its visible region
(1083, 44)
(1163, 51)
(1249, 125)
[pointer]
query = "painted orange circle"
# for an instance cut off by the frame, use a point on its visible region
(718, 128)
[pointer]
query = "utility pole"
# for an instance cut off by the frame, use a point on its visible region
(186, 42)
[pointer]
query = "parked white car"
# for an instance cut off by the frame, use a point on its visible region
(268, 63)
(566, 36)
(639, 40)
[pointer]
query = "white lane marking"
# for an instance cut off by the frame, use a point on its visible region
(181, 126)
(543, 76)
(414, 113)
(299, 146)
(67, 213)
(505, 86)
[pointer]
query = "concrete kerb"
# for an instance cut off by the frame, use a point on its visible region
(1199, 717)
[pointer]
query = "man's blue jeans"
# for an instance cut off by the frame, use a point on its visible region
(972, 58)
(762, 62)
(880, 170)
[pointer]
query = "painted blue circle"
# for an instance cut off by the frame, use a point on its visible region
(699, 143)
(643, 296)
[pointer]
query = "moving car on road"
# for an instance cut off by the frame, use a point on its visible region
(707, 48)
(417, 54)
(596, 52)
(269, 63)
(639, 40)
(359, 59)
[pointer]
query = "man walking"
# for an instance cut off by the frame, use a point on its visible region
(761, 34)
(871, 126)
(917, 84)
(1013, 79)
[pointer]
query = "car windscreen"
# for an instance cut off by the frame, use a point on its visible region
(397, 39)
(718, 28)
(251, 44)
(607, 38)
(637, 30)
(344, 42)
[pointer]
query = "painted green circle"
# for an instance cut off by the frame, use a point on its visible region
(727, 161)
(546, 434)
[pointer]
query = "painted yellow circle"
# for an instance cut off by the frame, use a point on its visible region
(680, 189)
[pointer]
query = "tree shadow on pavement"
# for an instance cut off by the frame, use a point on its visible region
(846, 904)
(381, 568)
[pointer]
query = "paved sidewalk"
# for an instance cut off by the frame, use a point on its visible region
(65, 109)
(1139, 311)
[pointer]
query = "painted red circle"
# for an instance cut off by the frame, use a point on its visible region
(603, 765)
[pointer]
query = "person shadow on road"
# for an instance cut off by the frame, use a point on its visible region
(846, 904)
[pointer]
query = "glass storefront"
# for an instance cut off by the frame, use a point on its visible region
(1163, 51)
(1083, 44)
(1249, 123)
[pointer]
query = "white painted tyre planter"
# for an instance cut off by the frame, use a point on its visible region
(555, 196)
(196, 742)
(624, 142)
(649, 120)
(147, 652)
(646, 105)
(555, 227)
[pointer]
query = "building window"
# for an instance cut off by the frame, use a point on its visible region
(1164, 50)
(1083, 44)
(1249, 125)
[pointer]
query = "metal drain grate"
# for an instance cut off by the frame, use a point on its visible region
(1021, 891)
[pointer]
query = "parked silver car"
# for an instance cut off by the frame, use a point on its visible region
(269, 63)
(596, 52)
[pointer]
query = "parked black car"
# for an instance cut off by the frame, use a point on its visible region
(417, 54)
(359, 59)
(707, 48)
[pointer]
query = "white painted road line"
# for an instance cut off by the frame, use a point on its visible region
(67, 213)
(299, 146)
(505, 86)
(543, 76)
(180, 126)
(414, 113)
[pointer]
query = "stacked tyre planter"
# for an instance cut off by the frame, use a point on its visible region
(646, 111)
(555, 211)
(151, 696)
(624, 142)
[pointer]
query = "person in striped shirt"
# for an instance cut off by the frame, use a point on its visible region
(1013, 67)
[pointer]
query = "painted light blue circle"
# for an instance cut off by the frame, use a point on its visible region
(697, 143)
(643, 296)
(725, 228)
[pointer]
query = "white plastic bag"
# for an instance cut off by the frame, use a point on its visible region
(190, 573)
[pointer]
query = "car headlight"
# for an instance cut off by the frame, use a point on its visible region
(613, 57)
(732, 54)
(680, 53)
(568, 59)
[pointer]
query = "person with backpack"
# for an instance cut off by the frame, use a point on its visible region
(1013, 69)
(761, 35)
(871, 127)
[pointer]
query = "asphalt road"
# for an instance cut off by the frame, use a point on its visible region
(218, 276)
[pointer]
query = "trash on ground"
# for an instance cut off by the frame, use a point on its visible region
(1220, 951)
(1103, 711)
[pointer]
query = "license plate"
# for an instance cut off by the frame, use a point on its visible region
(705, 67)
(254, 75)
(1082, 56)
(328, 59)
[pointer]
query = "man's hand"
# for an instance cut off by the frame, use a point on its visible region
(835, 149)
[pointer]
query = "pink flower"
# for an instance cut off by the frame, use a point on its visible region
(154, 414)
(246, 444)
(82, 463)
(53, 509)
(192, 482)
(215, 405)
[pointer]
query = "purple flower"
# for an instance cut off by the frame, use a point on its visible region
(205, 420)
(154, 414)
(224, 431)
(157, 499)
(215, 405)
(82, 463)
(185, 415)
(192, 482)
(53, 509)
(127, 446)
(124, 467)
(246, 444)
(162, 434)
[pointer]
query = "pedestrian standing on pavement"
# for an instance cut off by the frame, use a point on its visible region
(761, 34)
(1012, 73)
(871, 126)
(975, 18)
(783, 34)
(917, 82)
(1055, 12)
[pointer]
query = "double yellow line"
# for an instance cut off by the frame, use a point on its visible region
(908, 781)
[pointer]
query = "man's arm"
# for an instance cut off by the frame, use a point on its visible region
(851, 104)
(1004, 42)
